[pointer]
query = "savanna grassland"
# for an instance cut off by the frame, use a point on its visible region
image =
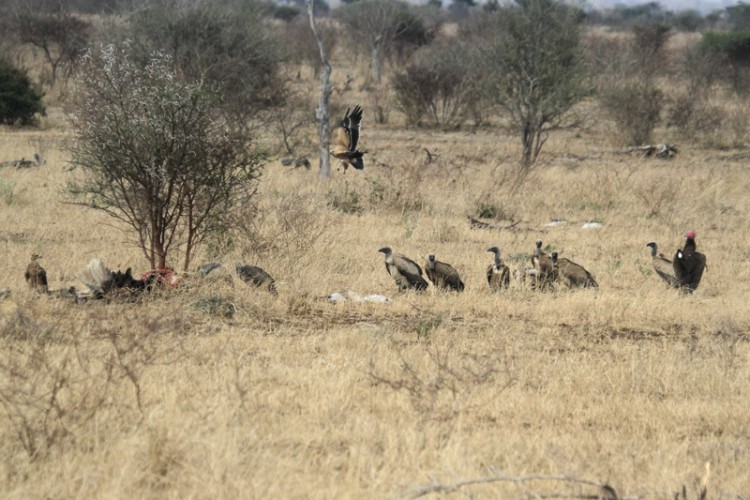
(217, 390)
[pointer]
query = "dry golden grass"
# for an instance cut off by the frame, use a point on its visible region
(222, 391)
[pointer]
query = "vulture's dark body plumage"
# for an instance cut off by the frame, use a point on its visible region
(498, 274)
(689, 265)
(443, 275)
(35, 275)
(572, 274)
(253, 275)
(405, 272)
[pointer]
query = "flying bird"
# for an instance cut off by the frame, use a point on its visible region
(572, 274)
(405, 272)
(443, 275)
(35, 274)
(253, 275)
(498, 274)
(663, 266)
(689, 264)
(345, 140)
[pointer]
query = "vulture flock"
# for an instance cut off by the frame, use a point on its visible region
(546, 271)
(683, 272)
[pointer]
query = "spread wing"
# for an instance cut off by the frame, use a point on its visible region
(352, 123)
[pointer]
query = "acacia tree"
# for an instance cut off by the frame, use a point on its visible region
(376, 23)
(536, 69)
(61, 36)
(156, 155)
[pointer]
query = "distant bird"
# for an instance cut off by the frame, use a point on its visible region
(345, 140)
(572, 274)
(544, 274)
(253, 275)
(689, 264)
(663, 266)
(498, 274)
(406, 272)
(443, 275)
(35, 275)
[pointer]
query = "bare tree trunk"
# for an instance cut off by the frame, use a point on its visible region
(376, 50)
(321, 112)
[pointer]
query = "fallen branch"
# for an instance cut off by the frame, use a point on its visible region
(478, 224)
(605, 491)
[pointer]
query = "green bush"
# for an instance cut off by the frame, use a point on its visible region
(635, 106)
(19, 102)
(735, 46)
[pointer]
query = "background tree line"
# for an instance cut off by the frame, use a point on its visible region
(525, 67)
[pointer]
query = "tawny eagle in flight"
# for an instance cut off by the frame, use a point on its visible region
(345, 140)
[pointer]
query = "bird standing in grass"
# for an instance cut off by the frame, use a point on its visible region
(346, 137)
(572, 274)
(35, 275)
(253, 275)
(663, 266)
(498, 274)
(443, 275)
(405, 272)
(544, 274)
(689, 264)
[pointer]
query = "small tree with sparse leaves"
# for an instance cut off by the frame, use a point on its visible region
(155, 154)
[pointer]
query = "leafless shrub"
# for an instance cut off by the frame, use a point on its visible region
(659, 196)
(440, 381)
(55, 382)
(693, 115)
(292, 225)
(400, 189)
(635, 106)
(49, 391)
(439, 87)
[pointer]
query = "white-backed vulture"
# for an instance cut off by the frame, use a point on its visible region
(572, 274)
(544, 275)
(662, 265)
(498, 274)
(253, 275)
(689, 264)
(406, 273)
(443, 275)
(345, 140)
(35, 275)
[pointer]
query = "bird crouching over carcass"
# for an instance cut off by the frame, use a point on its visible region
(100, 282)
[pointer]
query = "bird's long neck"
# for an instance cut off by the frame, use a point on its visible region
(653, 250)
(498, 261)
(689, 244)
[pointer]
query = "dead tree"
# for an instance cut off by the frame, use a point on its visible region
(321, 112)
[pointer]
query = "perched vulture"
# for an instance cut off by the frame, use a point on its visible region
(663, 266)
(544, 274)
(498, 274)
(689, 264)
(35, 275)
(443, 275)
(572, 274)
(253, 275)
(345, 140)
(406, 272)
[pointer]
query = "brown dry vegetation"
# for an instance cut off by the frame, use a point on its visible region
(222, 391)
